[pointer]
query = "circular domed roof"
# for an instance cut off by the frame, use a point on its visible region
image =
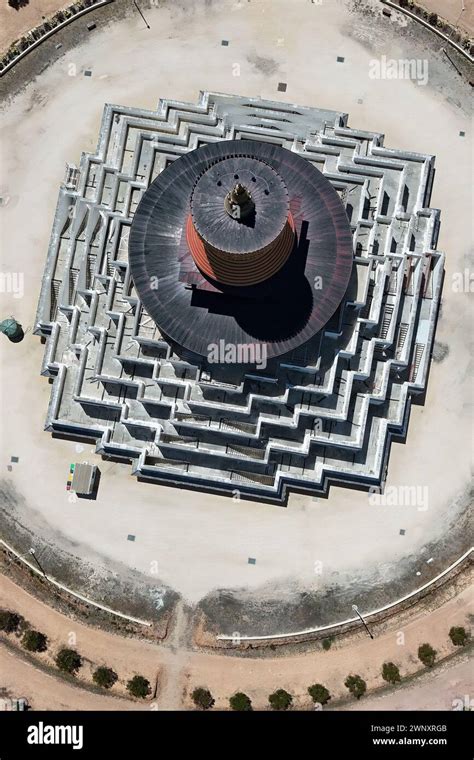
(239, 235)
(182, 217)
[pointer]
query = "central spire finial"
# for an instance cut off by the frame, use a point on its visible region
(238, 203)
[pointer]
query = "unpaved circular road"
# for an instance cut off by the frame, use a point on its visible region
(180, 669)
(14, 23)
(201, 543)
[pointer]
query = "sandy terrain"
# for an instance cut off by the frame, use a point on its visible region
(15, 23)
(56, 117)
(452, 11)
(126, 656)
(361, 655)
(180, 670)
(44, 692)
(441, 689)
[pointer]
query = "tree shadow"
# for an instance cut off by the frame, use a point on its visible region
(17, 4)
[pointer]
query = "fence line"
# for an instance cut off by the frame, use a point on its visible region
(75, 593)
(409, 13)
(50, 33)
(331, 626)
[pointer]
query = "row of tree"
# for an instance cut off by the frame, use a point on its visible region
(70, 661)
(38, 32)
(452, 31)
(282, 700)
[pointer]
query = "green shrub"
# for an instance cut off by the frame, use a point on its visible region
(458, 636)
(139, 686)
(427, 655)
(390, 672)
(327, 643)
(356, 686)
(34, 641)
(240, 702)
(68, 660)
(319, 694)
(202, 698)
(280, 700)
(9, 621)
(105, 677)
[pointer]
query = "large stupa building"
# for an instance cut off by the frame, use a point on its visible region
(241, 296)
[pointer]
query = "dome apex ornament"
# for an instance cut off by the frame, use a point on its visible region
(238, 203)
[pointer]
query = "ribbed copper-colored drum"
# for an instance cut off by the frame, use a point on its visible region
(247, 268)
(230, 247)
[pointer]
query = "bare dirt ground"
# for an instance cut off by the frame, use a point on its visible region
(57, 115)
(452, 11)
(202, 543)
(44, 692)
(14, 23)
(448, 687)
(118, 652)
(180, 668)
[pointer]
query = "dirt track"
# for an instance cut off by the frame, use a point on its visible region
(14, 23)
(438, 690)
(47, 693)
(180, 669)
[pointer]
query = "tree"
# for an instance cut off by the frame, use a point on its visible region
(327, 644)
(240, 702)
(203, 698)
(105, 677)
(433, 19)
(319, 694)
(138, 686)
(280, 700)
(356, 686)
(458, 636)
(9, 621)
(390, 672)
(427, 655)
(17, 4)
(34, 641)
(68, 660)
